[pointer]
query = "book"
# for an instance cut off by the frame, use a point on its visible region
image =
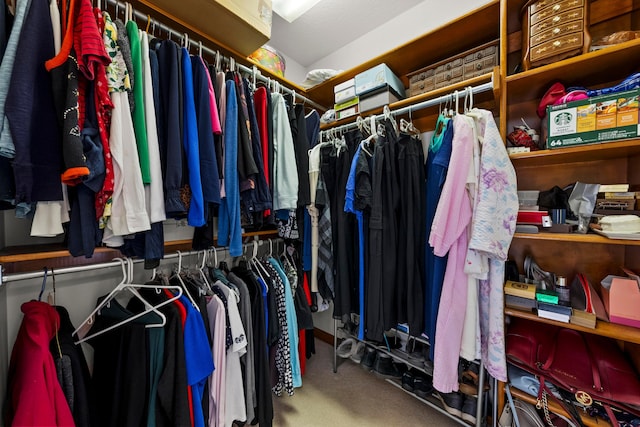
(548, 296)
(565, 318)
(613, 188)
(620, 195)
(583, 318)
(555, 308)
(519, 289)
(519, 303)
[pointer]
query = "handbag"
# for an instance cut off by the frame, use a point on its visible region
(591, 367)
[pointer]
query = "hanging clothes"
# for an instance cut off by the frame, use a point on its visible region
(449, 233)
(32, 380)
(492, 230)
(285, 174)
(436, 167)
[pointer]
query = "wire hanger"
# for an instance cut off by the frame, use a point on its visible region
(146, 30)
(44, 283)
(184, 286)
(120, 287)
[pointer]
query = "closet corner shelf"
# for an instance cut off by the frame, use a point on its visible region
(576, 238)
(583, 153)
(603, 65)
(554, 407)
(605, 329)
(470, 30)
(478, 99)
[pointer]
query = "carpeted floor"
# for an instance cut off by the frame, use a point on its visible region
(351, 397)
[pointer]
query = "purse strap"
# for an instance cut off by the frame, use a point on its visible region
(597, 383)
(543, 404)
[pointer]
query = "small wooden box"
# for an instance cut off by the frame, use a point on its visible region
(553, 30)
(472, 63)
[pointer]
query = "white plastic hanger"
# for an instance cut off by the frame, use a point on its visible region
(122, 286)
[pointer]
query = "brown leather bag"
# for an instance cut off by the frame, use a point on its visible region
(592, 367)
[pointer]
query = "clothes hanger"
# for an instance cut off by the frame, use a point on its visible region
(201, 270)
(387, 115)
(122, 286)
(44, 283)
(134, 291)
(184, 286)
(146, 30)
(408, 127)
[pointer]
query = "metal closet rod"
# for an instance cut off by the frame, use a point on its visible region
(484, 87)
(199, 45)
(91, 267)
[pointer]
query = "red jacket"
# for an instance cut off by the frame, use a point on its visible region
(36, 396)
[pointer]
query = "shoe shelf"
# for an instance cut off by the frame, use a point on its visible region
(555, 408)
(432, 401)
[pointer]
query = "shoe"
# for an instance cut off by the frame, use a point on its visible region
(385, 368)
(346, 348)
(469, 407)
(368, 358)
(416, 351)
(422, 387)
(469, 380)
(408, 381)
(452, 403)
(358, 352)
(428, 367)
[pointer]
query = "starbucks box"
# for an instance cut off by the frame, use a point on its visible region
(594, 120)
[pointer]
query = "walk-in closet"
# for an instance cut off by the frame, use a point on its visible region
(309, 213)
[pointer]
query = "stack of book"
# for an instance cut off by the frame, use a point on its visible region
(616, 197)
(549, 306)
(521, 296)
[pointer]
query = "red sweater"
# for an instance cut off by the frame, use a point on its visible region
(36, 396)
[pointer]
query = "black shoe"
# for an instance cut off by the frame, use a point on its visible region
(408, 381)
(422, 387)
(452, 403)
(469, 409)
(385, 368)
(369, 358)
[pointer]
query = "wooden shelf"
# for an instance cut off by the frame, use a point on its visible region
(583, 153)
(473, 29)
(605, 329)
(30, 258)
(576, 238)
(589, 69)
(483, 98)
(554, 407)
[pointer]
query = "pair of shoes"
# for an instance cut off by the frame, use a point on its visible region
(452, 403)
(469, 407)
(422, 386)
(346, 348)
(368, 358)
(358, 352)
(469, 379)
(385, 367)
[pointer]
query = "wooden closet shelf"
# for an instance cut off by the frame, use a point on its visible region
(20, 259)
(597, 67)
(484, 99)
(576, 238)
(605, 329)
(554, 407)
(582, 153)
(473, 29)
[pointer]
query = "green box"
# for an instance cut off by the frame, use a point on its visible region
(594, 120)
(547, 295)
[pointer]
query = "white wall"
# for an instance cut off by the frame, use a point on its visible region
(410, 24)
(294, 72)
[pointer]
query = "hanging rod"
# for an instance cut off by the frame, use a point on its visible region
(199, 45)
(484, 87)
(91, 267)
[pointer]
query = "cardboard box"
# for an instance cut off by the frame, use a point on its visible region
(622, 301)
(344, 95)
(377, 98)
(599, 119)
(344, 85)
(377, 77)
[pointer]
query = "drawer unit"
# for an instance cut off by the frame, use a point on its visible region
(554, 30)
(472, 63)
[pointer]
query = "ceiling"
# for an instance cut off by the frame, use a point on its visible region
(331, 24)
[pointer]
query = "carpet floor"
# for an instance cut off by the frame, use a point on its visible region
(350, 397)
